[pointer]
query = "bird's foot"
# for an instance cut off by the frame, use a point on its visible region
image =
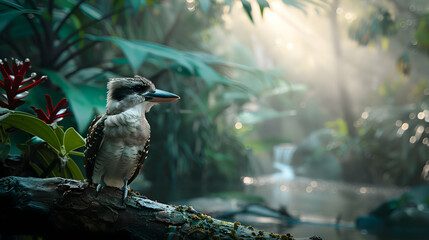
(125, 189)
(101, 185)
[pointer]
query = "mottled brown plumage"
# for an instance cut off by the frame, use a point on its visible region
(118, 141)
(93, 142)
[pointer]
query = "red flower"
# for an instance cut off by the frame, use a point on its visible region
(54, 114)
(13, 81)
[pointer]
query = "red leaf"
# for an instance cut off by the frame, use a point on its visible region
(49, 105)
(59, 106)
(3, 71)
(31, 85)
(15, 68)
(14, 103)
(7, 68)
(16, 83)
(40, 114)
(24, 68)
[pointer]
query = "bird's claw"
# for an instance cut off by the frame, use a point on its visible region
(101, 185)
(125, 189)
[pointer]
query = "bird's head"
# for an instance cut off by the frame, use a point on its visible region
(125, 93)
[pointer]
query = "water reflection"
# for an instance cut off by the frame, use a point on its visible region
(325, 208)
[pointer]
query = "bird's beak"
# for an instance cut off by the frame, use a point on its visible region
(160, 96)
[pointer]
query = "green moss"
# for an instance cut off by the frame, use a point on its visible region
(286, 237)
(236, 224)
(273, 235)
(179, 208)
(209, 219)
(195, 217)
(232, 234)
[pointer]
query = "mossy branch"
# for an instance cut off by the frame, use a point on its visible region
(69, 209)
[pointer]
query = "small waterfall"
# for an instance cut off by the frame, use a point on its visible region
(282, 158)
(283, 153)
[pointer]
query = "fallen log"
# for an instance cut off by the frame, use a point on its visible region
(58, 208)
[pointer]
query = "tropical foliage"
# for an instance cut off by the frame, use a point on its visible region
(79, 45)
(47, 152)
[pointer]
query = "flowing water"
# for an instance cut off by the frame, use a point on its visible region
(324, 208)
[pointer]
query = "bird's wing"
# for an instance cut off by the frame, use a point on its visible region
(142, 157)
(93, 143)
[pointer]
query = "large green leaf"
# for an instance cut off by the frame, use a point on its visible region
(137, 52)
(72, 140)
(10, 4)
(34, 126)
(7, 16)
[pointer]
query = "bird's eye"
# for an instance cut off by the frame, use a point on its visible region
(140, 88)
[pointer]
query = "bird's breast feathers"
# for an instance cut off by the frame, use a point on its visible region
(129, 126)
(125, 136)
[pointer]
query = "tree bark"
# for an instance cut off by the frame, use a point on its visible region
(58, 208)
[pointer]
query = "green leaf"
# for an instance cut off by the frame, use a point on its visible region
(205, 5)
(74, 170)
(63, 4)
(47, 160)
(248, 8)
(135, 53)
(4, 113)
(11, 4)
(72, 140)
(59, 132)
(80, 154)
(36, 168)
(194, 63)
(7, 16)
(91, 11)
(34, 126)
(262, 5)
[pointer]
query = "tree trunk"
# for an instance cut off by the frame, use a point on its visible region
(58, 208)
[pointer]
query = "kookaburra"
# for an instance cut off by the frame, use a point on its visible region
(118, 141)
